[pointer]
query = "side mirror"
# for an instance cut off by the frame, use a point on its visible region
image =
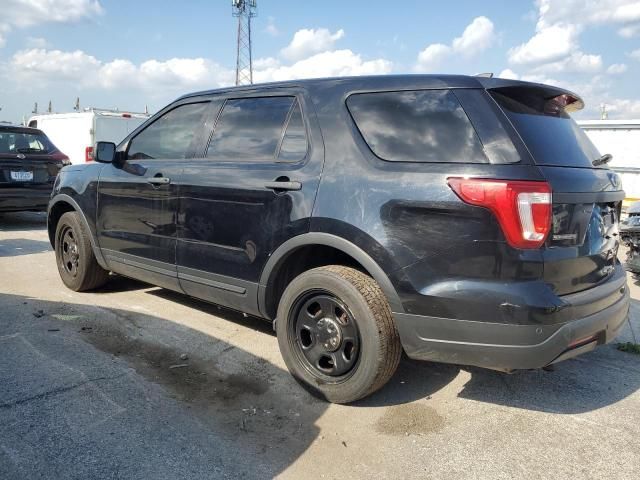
(105, 152)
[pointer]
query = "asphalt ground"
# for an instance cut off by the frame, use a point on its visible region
(134, 381)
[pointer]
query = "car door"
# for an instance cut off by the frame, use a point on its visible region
(253, 189)
(138, 199)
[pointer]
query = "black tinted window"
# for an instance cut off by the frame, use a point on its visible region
(170, 136)
(416, 126)
(294, 141)
(14, 142)
(552, 136)
(250, 129)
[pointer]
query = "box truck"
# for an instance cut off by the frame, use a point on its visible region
(76, 133)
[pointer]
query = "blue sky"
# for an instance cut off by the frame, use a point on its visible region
(128, 54)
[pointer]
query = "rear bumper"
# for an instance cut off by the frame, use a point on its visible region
(502, 346)
(25, 199)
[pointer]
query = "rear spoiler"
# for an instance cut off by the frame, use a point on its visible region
(570, 101)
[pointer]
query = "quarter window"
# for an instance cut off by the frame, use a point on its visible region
(251, 129)
(170, 136)
(416, 126)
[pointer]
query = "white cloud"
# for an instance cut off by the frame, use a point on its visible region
(629, 31)
(432, 57)
(325, 64)
(37, 42)
(509, 74)
(547, 45)
(307, 42)
(576, 62)
(478, 36)
(617, 69)
(623, 108)
(635, 54)
(625, 14)
(271, 28)
(27, 13)
(43, 67)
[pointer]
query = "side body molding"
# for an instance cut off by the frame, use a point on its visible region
(329, 240)
(64, 198)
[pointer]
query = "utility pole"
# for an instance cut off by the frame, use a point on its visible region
(244, 10)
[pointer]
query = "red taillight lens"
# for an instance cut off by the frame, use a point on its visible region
(522, 208)
(88, 154)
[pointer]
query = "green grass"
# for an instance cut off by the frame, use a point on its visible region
(629, 347)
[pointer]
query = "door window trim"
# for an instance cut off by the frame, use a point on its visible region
(192, 149)
(297, 99)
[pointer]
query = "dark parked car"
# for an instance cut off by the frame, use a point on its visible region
(29, 164)
(460, 219)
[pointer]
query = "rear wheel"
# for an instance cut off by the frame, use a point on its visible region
(77, 265)
(336, 333)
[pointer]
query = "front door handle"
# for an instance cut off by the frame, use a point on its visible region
(282, 185)
(159, 180)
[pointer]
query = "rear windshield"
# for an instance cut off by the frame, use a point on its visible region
(551, 135)
(416, 126)
(12, 142)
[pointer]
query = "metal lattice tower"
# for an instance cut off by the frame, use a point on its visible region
(245, 10)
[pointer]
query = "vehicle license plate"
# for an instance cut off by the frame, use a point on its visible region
(22, 176)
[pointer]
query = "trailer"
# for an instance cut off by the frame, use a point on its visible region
(620, 138)
(76, 133)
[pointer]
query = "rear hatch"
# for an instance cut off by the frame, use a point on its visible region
(581, 249)
(28, 159)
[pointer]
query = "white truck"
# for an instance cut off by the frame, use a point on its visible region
(620, 138)
(76, 133)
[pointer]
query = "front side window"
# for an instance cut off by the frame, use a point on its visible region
(170, 136)
(252, 129)
(416, 126)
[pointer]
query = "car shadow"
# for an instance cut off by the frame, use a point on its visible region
(222, 407)
(570, 388)
(15, 247)
(12, 221)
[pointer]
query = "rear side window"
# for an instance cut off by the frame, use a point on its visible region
(416, 126)
(259, 129)
(171, 135)
(550, 134)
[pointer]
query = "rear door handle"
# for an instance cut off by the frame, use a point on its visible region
(284, 185)
(159, 180)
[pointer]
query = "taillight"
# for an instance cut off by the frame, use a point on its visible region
(61, 157)
(522, 208)
(88, 154)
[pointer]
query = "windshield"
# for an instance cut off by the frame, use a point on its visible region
(550, 134)
(15, 142)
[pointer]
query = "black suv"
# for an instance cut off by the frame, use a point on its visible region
(460, 219)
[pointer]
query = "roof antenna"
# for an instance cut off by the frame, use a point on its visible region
(77, 105)
(484, 75)
(50, 109)
(35, 108)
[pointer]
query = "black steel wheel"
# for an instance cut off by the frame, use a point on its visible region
(77, 265)
(336, 333)
(326, 334)
(68, 251)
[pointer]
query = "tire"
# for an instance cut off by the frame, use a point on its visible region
(77, 265)
(304, 331)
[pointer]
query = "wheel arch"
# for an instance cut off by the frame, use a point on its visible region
(268, 290)
(58, 206)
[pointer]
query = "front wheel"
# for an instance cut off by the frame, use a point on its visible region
(336, 333)
(77, 265)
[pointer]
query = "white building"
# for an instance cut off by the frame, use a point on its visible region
(620, 138)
